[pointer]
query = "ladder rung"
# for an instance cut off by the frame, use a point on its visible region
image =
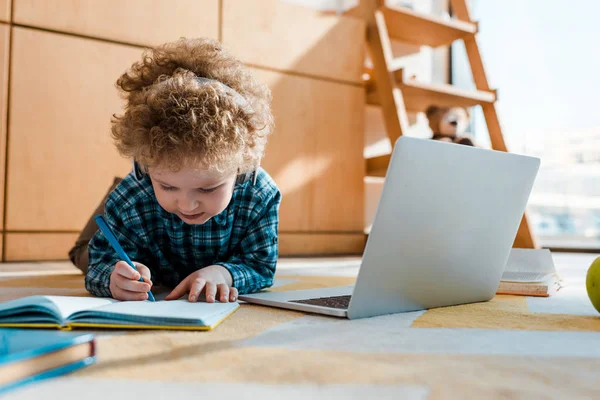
(420, 95)
(427, 30)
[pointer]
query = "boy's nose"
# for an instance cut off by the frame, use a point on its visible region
(188, 205)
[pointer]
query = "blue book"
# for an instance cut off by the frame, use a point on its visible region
(28, 356)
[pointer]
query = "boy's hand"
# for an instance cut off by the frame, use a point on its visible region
(124, 283)
(215, 280)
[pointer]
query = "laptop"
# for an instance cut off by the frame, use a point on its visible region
(442, 233)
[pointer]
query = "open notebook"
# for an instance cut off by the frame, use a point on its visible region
(66, 312)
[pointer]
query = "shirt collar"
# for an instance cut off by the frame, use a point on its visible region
(221, 219)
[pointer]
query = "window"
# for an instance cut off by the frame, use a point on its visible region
(541, 57)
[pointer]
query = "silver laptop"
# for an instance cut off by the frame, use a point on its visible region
(441, 236)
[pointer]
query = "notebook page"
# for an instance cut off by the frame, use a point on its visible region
(67, 305)
(174, 312)
(524, 277)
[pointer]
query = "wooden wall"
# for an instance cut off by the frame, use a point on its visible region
(58, 63)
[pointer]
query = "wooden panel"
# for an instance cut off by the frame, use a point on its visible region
(56, 246)
(4, 54)
(133, 21)
(376, 140)
(61, 157)
(33, 268)
(38, 246)
(314, 244)
(315, 154)
(373, 189)
(294, 38)
(5, 10)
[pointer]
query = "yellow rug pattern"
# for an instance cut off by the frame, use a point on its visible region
(497, 349)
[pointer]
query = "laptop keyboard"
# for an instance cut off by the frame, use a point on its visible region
(331, 302)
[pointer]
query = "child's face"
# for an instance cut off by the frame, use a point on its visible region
(194, 195)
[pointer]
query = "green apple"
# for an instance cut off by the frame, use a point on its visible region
(592, 283)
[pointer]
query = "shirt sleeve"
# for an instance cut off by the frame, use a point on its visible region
(102, 257)
(253, 266)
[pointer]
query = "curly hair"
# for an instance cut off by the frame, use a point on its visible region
(190, 102)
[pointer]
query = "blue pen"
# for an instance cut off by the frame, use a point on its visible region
(112, 239)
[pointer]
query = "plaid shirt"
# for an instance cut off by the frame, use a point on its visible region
(243, 238)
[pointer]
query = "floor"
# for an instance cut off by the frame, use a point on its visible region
(510, 347)
(348, 264)
(572, 265)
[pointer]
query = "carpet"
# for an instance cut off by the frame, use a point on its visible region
(509, 347)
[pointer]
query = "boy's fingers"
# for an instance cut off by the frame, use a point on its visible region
(223, 291)
(133, 286)
(233, 294)
(125, 270)
(179, 290)
(211, 292)
(143, 270)
(126, 295)
(196, 289)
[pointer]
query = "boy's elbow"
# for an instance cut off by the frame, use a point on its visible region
(256, 285)
(267, 283)
(268, 277)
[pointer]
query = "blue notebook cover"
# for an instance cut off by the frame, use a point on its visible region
(20, 345)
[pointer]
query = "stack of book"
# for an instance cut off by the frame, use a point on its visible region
(28, 356)
(530, 272)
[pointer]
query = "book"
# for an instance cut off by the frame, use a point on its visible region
(530, 272)
(28, 356)
(66, 312)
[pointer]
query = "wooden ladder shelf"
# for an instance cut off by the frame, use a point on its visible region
(397, 95)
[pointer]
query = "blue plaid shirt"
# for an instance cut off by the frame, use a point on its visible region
(243, 238)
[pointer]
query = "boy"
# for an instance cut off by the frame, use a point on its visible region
(197, 213)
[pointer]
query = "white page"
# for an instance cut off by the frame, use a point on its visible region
(530, 260)
(525, 277)
(169, 309)
(68, 305)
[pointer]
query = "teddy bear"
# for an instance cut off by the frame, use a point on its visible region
(449, 124)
